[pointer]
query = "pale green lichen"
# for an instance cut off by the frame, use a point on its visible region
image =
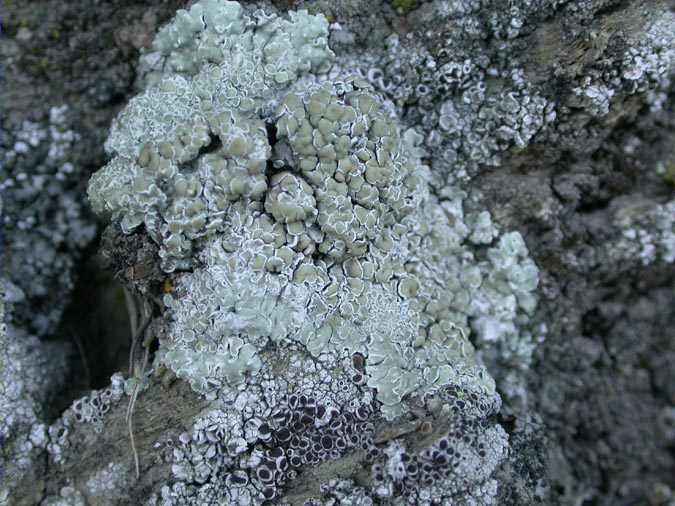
(220, 69)
(275, 49)
(348, 251)
(324, 235)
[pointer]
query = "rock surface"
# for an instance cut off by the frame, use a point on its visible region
(547, 120)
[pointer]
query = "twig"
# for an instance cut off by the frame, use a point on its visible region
(137, 337)
(130, 411)
(136, 340)
(132, 311)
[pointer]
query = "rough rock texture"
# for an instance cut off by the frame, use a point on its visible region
(548, 119)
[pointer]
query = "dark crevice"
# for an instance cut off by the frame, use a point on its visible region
(214, 145)
(271, 130)
(590, 207)
(271, 133)
(96, 325)
(612, 7)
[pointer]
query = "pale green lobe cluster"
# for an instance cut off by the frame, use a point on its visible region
(324, 235)
(217, 32)
(347, 251)
(220, 69)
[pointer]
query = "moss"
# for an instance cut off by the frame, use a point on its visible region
(404, 6)
(669, 174)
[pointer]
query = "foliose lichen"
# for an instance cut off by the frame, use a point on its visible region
(352, 252)
(318, 285)
(329, 237)
(220, 68)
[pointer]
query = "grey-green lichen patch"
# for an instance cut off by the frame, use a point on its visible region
(647, 232)
(217, 32)
(193, 140)
(324, 235)
(68, 496)
(348, 250)
(108, 484)
(501, 307)
(45, 223)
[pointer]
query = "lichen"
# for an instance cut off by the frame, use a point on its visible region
(30, 371)
(46, 222)
(332, 285)
(220, 69)
(359, 257)
(647, 232)
(312, 266)
(325, 234)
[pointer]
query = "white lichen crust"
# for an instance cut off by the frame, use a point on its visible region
(261, 435)
(30, 371)
(647, 233)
